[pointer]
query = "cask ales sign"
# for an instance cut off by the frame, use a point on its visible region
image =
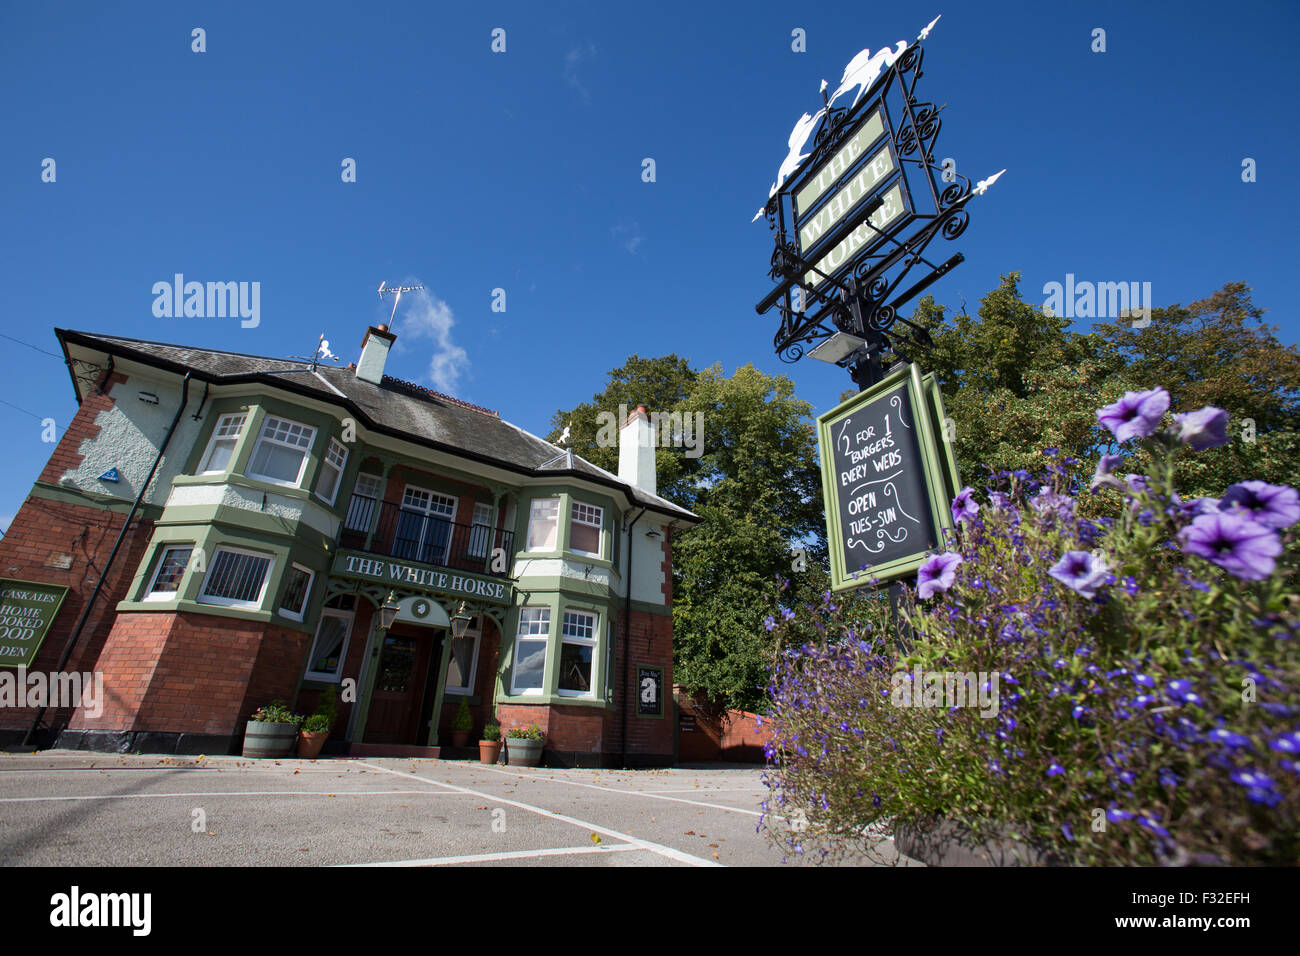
(888, 479)
(27, 610)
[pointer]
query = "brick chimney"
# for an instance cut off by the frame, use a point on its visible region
(636, 451)
(374, 353)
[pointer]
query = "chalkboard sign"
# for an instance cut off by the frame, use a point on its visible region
(650, 691)
(886, 472)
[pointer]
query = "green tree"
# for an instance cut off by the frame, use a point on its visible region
(756, 484)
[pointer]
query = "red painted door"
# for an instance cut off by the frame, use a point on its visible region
(399, 689)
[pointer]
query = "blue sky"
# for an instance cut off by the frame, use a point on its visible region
(522, 171)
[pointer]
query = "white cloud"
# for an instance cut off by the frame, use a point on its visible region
(629, 234)
(423, 316)
(571, 61)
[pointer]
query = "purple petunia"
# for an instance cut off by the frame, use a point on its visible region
(964, 505)
(1136, 415)
(999, 500)
(937, 574)
(1049, 502)
(1273, 506)
(1202, 429)
(1103, 475)
(1081, 571)
(1241, 546)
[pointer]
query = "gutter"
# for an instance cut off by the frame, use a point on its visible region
(121, 536)
(627, 636)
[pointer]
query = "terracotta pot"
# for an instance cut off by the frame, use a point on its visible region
(460, 738)
(310, 743)
(489, 751)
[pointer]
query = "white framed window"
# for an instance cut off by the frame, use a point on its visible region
(528, 676)
(584, 528)
(577, 651)
(462, 666)
(236, 578)
(280, 455)
(221, 446)
(480, 535)
(424, 526)
(331, 471)
(543, 524)
(330, 648)
(166, 581)
(297, 589)
(364, 503)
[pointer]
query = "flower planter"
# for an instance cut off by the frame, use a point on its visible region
(489, 751)
(460, 738)
(311, 742)
(524, 752)
(938, 842)
(264, 738)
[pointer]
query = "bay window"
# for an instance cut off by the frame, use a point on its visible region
(280, 455)
(529, 672)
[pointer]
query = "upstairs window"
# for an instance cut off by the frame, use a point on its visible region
(280, 455)
(584, 529)
(480, 536)
(221, 446)
(543, 524)
(331, 471)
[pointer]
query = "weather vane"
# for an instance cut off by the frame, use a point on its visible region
(396, 291)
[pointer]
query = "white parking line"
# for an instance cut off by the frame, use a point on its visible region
(227, 793)
(515, 855)
(664, 851)
(637, 793)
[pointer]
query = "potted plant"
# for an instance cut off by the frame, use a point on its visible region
(461, 725)
(489, 748)
(524, 747)
(316, 728)
(271, 731)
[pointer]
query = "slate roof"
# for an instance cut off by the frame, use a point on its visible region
(397, 408)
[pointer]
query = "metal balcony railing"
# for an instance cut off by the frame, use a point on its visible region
(382, 527)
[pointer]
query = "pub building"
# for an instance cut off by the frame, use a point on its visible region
(226, 530)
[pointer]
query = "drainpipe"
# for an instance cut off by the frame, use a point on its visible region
(112, 555)
(627, 633)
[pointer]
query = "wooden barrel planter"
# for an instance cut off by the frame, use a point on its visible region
(263, 738)
(524, 752)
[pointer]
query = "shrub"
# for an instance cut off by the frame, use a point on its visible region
(491, 731)
(1137, 677)
(463, 720)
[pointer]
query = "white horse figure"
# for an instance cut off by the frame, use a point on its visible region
(864, 69)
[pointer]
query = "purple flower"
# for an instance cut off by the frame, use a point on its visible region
(1048, 501)
(999, 500)
(937, 574)
(1154, 827)
(769, 623)
(1259, 787)
(1055, 770)
(1102, 476)
(1287, 743)
(1199, 506)
(1081, 571)
(1239, 545)
(1181, 690)
(1229, 739)
(1114, 816)
(963, 506)
(1144, 679)
(1206, 428)
(1069, 834)
(1273, 506)
(1136, 415)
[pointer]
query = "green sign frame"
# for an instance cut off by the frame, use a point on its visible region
(938, 473)
(27, 609)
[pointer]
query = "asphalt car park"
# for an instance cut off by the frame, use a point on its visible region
(72, 808)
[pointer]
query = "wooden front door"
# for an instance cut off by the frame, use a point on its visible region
(408, 661)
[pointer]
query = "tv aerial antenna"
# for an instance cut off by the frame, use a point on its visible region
(396, 292)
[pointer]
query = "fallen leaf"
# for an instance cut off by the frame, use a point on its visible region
(715, 854)
(595, 838)
(690, 833)
(715, 846)
(211, 833)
